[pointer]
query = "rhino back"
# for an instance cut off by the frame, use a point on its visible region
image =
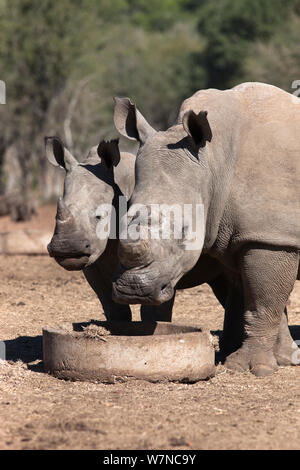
(254, 162)
(264, 203)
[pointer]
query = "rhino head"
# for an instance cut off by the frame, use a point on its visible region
(171, 171)
(88, 187)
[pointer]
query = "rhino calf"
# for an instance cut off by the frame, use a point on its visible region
(98, 180)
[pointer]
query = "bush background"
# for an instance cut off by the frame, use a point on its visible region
(64, 60)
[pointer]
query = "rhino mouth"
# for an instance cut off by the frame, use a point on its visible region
(72, 255)
(72, 263)
(142, 287)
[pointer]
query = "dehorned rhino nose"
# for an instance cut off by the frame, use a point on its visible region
(135, 253)
(63, 214)
(63, 245)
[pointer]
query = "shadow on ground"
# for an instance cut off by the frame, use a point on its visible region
(27, 349)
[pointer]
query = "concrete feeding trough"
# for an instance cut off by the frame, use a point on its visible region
(111, 352)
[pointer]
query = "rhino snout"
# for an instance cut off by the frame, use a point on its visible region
(68, 247)
(135, 253)
(144, 287)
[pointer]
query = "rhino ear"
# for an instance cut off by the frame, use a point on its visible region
(129, 121)
(58, 155)
(197, 127)
(109, 153)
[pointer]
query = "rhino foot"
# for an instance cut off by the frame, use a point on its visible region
(260, 362)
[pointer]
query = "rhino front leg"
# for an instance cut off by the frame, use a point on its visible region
(116, 312)
(103, 290)
(230, 295)
(161, 312)
(268, 276)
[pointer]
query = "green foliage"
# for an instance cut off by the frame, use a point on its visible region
(153, 69)
(157, 14)
(64, 60)
(39, 42)
(154, 15)
(278, 61)
(230, 26)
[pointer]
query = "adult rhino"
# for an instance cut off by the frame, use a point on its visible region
(236, 153)
(104, 176)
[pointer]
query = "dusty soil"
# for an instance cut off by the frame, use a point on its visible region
(37, 411)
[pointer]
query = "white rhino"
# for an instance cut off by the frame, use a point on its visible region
(236, 153)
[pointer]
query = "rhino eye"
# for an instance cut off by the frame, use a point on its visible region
(98, 217)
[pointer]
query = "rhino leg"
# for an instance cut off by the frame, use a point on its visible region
(161, 312)
(230, 296)
(268, 276)
(116, 312)
(102, 288)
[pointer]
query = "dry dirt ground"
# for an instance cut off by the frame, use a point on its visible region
(37, 411)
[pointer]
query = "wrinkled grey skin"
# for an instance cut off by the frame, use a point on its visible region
(100, 179)
(237, 153)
